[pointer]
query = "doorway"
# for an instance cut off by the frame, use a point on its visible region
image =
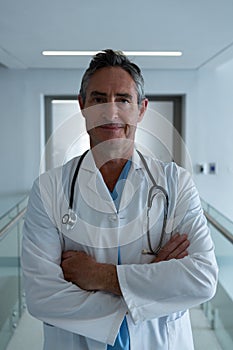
(159, 134)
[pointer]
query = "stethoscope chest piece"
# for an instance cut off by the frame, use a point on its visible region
(69, 219)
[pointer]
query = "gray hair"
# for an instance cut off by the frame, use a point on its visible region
(111, 58)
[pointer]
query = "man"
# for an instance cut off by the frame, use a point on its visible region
(85, 275)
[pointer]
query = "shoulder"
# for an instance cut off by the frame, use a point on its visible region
(65, 168)
(168, 174)
(160, 168)
(56, 177)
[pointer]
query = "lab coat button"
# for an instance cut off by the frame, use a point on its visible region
(113, 217)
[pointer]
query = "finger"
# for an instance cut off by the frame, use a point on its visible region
(168, 251)
(172, 245)
(68, 254)
(178, 237)
(179, 250)
(174, 237)
(182, 255)
(177, 242)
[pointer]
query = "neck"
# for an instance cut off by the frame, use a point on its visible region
(106, 156)
(111, 164)
(111, 171)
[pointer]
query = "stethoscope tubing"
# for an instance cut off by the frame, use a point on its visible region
(72, 187)
(163, 192)
(70, 218)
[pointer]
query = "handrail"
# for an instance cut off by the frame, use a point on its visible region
(226, 233)
(14, 207)
(11, 223)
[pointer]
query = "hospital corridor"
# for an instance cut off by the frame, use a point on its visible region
(116, 148)
(211, 322)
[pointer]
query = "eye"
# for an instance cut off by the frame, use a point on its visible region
(99, 100)
(125, 100)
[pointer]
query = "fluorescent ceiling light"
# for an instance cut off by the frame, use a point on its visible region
(128, 53)
(65, 101)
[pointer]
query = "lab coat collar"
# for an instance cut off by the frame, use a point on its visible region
(89, 166)
(89, 162)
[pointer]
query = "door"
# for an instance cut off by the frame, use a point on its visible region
(157, 135)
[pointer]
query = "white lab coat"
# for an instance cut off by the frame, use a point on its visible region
(156, 296)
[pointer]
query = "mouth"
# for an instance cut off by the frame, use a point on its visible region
(112, 126)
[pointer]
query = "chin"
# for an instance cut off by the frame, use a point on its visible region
(115, 148)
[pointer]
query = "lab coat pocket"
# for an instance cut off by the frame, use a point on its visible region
(180, 333)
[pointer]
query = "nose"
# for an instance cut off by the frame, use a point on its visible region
(110, 111)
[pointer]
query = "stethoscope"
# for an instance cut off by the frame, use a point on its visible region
(70, 218)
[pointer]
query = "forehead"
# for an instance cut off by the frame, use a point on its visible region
(112, 79)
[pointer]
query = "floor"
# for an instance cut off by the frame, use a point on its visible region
(204, 337)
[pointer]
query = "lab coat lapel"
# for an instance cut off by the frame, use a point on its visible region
(133, 181)
(98, 198)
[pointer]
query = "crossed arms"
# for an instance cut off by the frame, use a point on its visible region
(151, 286)
(84, 271)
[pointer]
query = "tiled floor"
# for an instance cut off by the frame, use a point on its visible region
(23, 339)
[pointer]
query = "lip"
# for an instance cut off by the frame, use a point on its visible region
(112, 126)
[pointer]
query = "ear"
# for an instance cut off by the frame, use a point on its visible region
(142, 109)
(80, 101)
(81, 105)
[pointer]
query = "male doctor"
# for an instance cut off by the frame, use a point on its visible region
(87, 278)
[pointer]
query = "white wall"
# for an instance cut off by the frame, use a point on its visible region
(208, 122)
(22, 112)
(210, 135)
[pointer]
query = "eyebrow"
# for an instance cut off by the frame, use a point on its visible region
(125, 95)
(98, 93)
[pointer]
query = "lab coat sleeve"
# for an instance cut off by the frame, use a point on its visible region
(159, 289)
(49, 297)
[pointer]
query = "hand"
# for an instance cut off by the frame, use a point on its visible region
(84, 271)
(175, 248)
(79, 268)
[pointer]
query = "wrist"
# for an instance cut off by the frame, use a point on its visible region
(108, 279)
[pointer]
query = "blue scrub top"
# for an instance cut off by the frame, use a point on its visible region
(122, 341)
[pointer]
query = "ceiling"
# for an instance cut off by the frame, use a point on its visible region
(201, 29)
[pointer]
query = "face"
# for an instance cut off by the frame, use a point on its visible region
(111, 108)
